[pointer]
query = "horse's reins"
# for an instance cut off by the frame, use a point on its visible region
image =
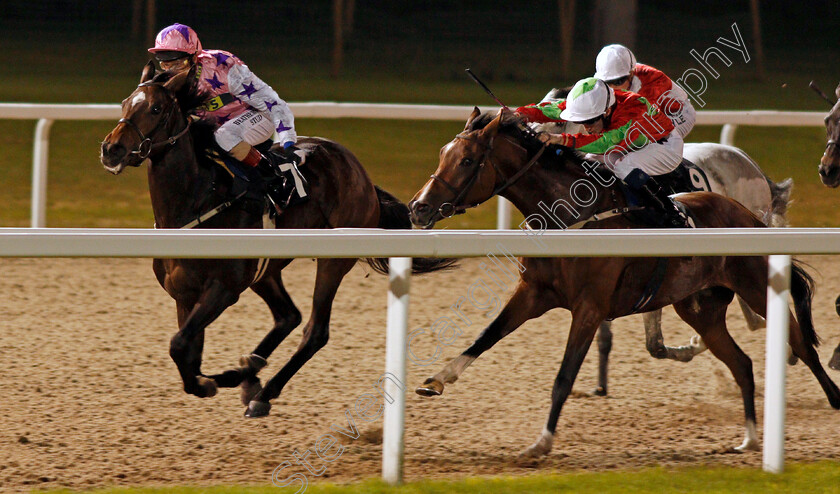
(453, 207)
(146, 145)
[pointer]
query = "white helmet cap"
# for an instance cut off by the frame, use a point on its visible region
(614, 62)
(588, 99)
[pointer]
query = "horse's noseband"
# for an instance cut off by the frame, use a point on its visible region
(453, 207)
(146, 145)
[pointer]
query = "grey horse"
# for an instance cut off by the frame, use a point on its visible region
(830, 171)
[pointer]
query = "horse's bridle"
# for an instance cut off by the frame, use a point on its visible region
(451, 208)
(146, 145)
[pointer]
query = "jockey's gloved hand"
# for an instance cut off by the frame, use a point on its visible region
(287, 153)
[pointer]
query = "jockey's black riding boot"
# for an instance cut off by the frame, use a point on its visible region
(276, 187)
(651, 193)
(287, 160)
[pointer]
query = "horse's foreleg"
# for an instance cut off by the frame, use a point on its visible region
(315, 334)
(186, 346)
(605, 337)
(524, 304)
(706, 313)
(585, 320)
(286, 318)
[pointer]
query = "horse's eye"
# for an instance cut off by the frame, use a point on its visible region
(466, 162)
(155, 109)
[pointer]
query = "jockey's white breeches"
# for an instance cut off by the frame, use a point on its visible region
(653, 159)
(252, 127)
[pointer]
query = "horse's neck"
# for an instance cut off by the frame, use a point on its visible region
(178, 187)
(564, 197)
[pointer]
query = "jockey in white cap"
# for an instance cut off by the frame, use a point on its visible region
(616, 65)
(247, 110)
(623, 130)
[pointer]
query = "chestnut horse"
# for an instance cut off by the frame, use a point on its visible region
(493, 155)
(185, 184)
(830, 174)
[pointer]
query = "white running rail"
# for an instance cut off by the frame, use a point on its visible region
(400, 245)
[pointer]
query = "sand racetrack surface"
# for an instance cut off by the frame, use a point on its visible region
(91, 397)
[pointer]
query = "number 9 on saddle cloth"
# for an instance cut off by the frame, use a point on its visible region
(685, 178)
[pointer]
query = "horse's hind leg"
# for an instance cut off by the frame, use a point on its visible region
(604, 337)
(315, 334)
(525, 303)
(706, 313)
(655, 344)
(754, 321)
(186, 346)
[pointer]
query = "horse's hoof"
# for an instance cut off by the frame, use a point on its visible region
(834, 363)
(249, 389)
(600, 391)
(252, 363)
(430, 387)
(748, 445)
(207, 387)
(536, 450)
(697, 343)
(257, 409)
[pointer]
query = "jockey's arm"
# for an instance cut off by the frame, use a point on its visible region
(598, 143)
(251, 89)
(542, 112)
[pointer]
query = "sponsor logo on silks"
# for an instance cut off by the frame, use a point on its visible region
(219, 101)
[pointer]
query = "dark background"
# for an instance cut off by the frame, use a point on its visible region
(430, 39)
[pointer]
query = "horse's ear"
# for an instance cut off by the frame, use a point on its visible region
(837, 91)
(475, 113)
(148, 72)
(492, 128)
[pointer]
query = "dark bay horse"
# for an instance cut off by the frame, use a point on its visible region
(830, 174)
(184, 184)
(494, 155)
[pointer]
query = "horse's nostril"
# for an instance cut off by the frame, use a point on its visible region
(421, 207)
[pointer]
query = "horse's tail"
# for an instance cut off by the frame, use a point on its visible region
(394, 215)
(802, 291)
(779, 202)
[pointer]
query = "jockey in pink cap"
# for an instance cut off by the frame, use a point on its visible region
(248, 111)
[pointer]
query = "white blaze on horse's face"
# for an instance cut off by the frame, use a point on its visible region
(141, 97)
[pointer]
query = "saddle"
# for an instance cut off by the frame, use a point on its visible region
(248, 183)
(684, 178)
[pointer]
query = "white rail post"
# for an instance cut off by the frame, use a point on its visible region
(393, 430)
(503, 214)
(778, 320)
(40, 157)
(727, 134)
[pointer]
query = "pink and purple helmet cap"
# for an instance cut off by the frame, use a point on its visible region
(177, 38)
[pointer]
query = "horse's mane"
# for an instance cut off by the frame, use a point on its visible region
(190, 99)
(513, 125)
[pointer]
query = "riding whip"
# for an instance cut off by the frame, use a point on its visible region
(813, 85)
